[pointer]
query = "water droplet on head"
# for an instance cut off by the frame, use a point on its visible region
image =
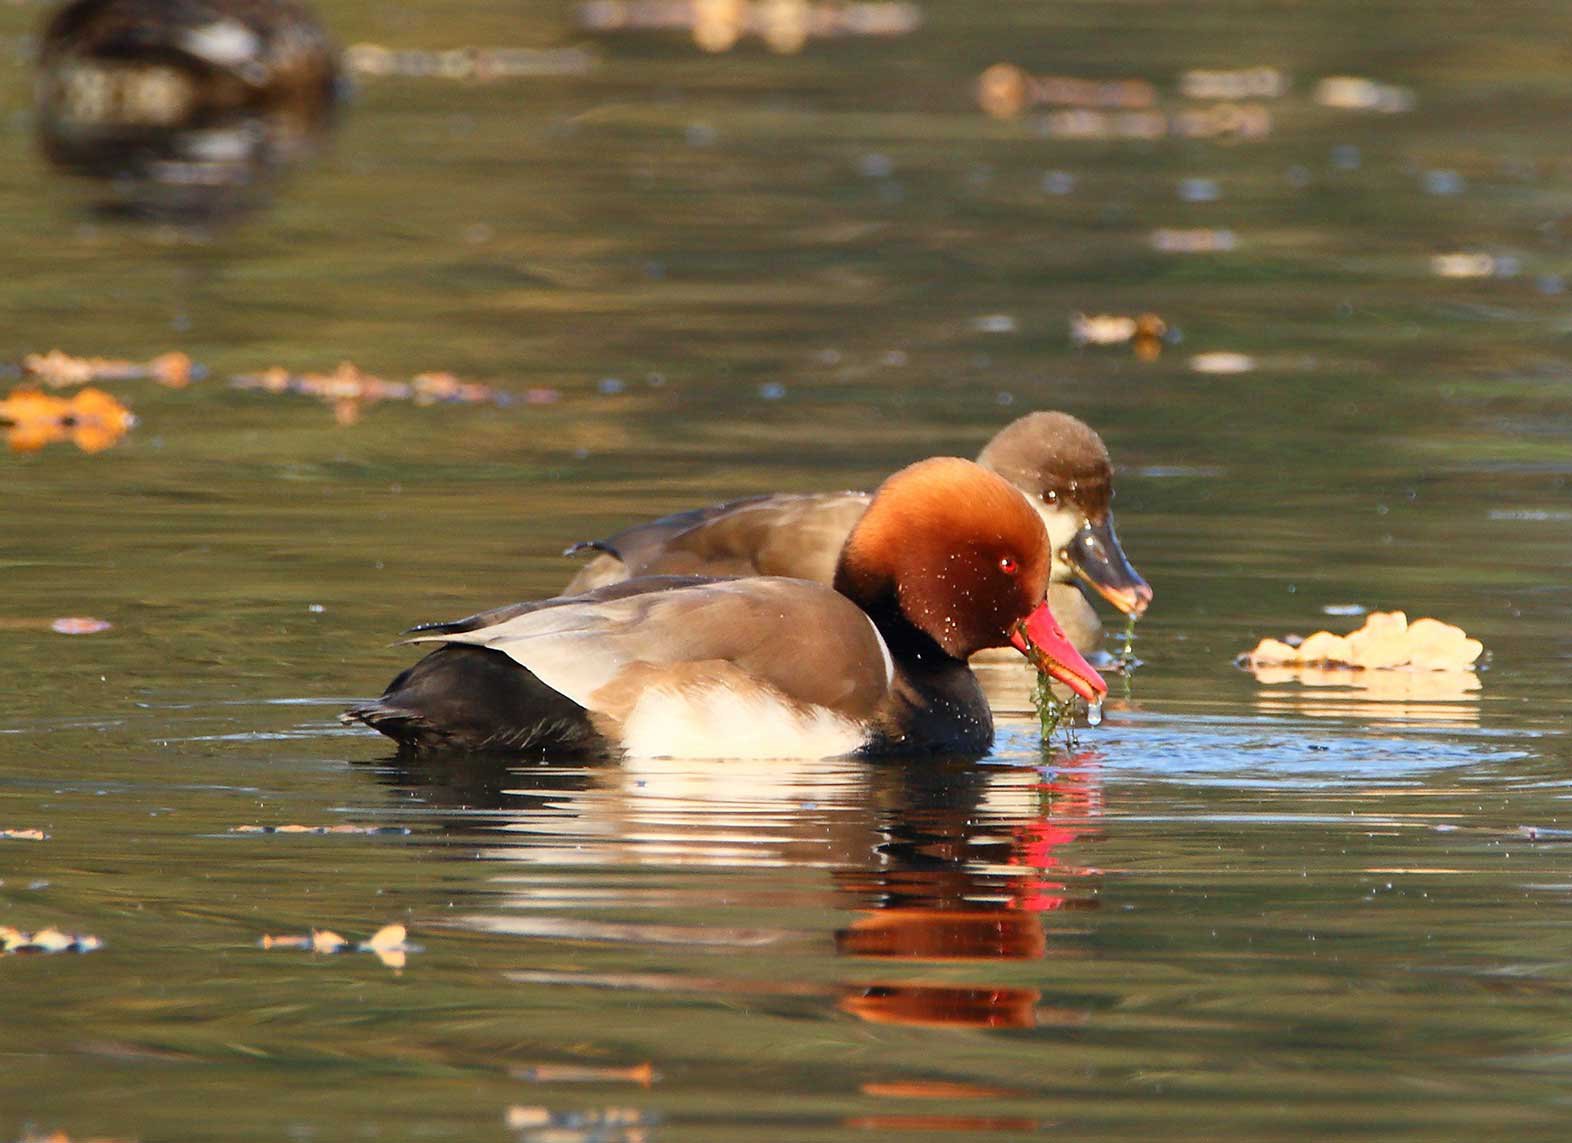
(1094, 714)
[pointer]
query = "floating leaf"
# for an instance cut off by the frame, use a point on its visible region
(24, 835)
(389, 944)
(50, 940)
(477, 65)
(348, 389)
(92, 419)
(326, 941)
(392, 958)
(785, 28)
(59, 369)
(642, 1074)
(1144, 333)
(387, 937)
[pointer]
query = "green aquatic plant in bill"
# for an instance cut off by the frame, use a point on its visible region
(1051, 713)
(1127, 652)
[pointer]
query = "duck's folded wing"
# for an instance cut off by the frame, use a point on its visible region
(616, 589)
(805, 642)
(785, 534)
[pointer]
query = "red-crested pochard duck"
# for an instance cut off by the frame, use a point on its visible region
(1056, 460)
(948, 559)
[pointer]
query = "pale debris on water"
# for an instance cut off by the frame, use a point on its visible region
(340, 828)
(1263, 82)
(469, 64)
(1194, 240)
(1387, 641)
(1357, 93)
(785, 26)
(1471, 264)
(60, 369)
(624, 1123)
(642, 1074)
(79, 625)
(1144, 333)
(1222, 362)
(23, 835)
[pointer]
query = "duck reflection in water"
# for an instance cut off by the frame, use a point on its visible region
(184, 109)
(946, 862)
(966, 872)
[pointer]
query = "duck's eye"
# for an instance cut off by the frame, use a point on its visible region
(1008, 565)
(1050, 496)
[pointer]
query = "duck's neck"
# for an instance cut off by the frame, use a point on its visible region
(936, 703)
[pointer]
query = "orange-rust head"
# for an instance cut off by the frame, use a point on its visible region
(955, 548)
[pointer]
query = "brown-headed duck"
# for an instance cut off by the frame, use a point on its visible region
(1057, 461)
(947, 559)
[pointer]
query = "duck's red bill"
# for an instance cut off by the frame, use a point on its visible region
(1040, 638)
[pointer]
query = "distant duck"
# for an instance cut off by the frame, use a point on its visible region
(200, 96)
(1056, 461)
(947, 560)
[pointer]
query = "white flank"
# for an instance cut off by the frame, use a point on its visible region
(223, 43)
(716, 722)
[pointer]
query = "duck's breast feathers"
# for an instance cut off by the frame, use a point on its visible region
(797, 640)
(795, 535)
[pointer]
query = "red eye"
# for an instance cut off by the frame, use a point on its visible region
(1008, 565)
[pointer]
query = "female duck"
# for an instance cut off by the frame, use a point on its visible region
(947, 560)
(1056, 460)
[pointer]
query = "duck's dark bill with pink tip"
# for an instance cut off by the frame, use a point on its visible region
(1040, 639)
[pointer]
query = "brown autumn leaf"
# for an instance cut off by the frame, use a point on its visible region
(91, 418)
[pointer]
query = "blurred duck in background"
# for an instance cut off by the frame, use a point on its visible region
(185, 107)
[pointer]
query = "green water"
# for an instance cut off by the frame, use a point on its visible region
(1231, 911)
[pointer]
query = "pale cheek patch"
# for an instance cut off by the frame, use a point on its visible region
(1062, 525)
(711, 722)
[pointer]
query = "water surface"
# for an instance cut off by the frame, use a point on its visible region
(1233, 910)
